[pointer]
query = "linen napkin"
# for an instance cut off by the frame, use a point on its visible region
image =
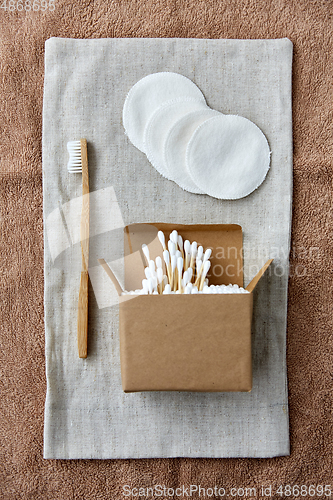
(87, 415)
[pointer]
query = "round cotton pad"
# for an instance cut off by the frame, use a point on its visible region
(228, 157)
(159, 125)
(147, 95)
(175, 147)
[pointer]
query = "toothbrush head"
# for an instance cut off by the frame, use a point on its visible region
(74, 164)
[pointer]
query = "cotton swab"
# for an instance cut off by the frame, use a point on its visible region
(159, 279)
(150, 286)
(167, 289)
(187, 249)
(186, 277)
(145, 286)
(145, 250)
(147, 273)
(166, 257)
(171, 247)
(174, 237)
(180, 245)
(173, 281)
(207, 255)
(161, 237)
(193, 255)
(198, 268)
(152, 268)
(180, 264)
(200, 253)
(154, 281)
(204, 273)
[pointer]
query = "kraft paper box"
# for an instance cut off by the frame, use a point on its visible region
(187, 342)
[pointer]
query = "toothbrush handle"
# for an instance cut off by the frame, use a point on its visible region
(82, 317)
(82, 320)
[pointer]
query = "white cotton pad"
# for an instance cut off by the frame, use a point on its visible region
(159, 125)
(228, 157)
(175, 147)
(147, 95)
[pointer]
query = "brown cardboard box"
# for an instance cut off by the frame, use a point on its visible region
(187, 342)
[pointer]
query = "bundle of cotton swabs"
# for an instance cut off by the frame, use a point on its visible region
(186, 265)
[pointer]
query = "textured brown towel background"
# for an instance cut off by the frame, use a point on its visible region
(309, 25)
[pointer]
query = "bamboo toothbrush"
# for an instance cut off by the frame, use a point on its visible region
(78, 163)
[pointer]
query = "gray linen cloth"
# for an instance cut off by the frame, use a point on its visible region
(87, 415)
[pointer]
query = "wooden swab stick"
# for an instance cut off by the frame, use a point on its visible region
(159, 280)
(173, 282)
(180, 245)
(187, 248)
(180, 264)
(166, 257)
(193, 255)
(199, 269)
(203, 276)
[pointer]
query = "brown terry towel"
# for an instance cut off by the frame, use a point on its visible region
(23, 472)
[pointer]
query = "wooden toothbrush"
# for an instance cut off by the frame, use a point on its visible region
(78, 163)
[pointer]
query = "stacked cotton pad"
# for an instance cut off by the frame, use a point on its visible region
(165, 115)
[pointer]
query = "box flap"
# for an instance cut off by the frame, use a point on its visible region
(251, 286)
(225, 240)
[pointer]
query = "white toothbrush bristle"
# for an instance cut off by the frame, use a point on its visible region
(74, 164)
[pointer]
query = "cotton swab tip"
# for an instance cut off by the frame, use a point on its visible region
(145, 250)
(166, 257)
(152, 267)
(161, 237)
(172, 247)
(174, 237)
(159, 275)
(180, 264)
(206, 268)
(207, 255)
(187, 246)
(158, 262)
